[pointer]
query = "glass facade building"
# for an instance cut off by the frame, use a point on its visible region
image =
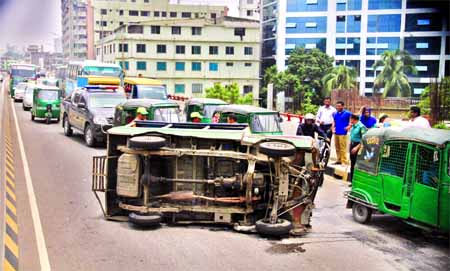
(357, 32)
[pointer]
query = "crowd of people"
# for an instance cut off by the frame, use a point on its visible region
(341, 124)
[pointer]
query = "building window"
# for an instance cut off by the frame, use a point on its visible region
(307, 5)
(186, 15)
(229, 64)
(229, 50)
(123, 47)
(156, 13)
(349, 46)
(121, 12)
(140, 48)
(248, 64)
(348, 5)
(248, 51)
(179, 66)
(173, 14)
(125, 65)
(196, 50)
(376, 46)
(161, 66)
(133, 13)
(103, 11)
(306, 25)
(249, 12)
(213, 15)
(384, 23)
(141, 65)
(423, 45)
(385, 4)
(163, 14)
(213, 66)
(156, 29)
(161, 48)
(135, 29)
(213, 50)
(239, 31)
(196, 31)
(176, 30)
(180, 49)
(197, 88)
(248, 89)
(145, 13)
(179, 88)
(423, 22)
(196, 66)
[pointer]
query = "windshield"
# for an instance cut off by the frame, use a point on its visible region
(169, 114)
(152, 92)
(102, 71)
(48, 95)
(268, 123)
(208, 110)
(26, 73)
(105, 100)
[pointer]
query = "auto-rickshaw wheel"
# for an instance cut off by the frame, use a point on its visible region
(147, 142)
(145, 220)
(32, 117)
(281, 228)
(48, 120)
(361, 213)
(277, 149)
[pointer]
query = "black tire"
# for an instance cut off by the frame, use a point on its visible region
(281, 228)
(146, 142)
(147, 220)
(32, 117)
(67, 128)
(24, 108)
(361, 213)
(277, 149)
(89, 136)
(48, 120)
(58, 119)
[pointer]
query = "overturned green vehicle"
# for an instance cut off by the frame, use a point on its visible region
(206, 173)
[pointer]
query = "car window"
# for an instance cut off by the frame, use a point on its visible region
(427, 166)
(266, 123)
(82, 100)
(76, 98)
(394, 158)
(48, 95)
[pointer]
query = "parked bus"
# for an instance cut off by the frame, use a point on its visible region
(20, 73)
(80, 74)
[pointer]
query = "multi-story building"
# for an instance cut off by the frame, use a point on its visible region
(74, 32)
(357, 32)
(189, 55)
(107, 15)
(249, 9)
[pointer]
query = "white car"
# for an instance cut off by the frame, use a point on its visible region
(27, 102)
(19, 92)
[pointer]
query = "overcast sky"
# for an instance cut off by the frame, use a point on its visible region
(25, 22)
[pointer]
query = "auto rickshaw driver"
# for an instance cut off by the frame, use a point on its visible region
(141, 114)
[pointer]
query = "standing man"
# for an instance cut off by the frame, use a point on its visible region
(325, 117)
(417, 120)
(356, 133)
(341, 124)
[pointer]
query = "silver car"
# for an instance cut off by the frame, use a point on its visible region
(19, 92)
(27, 102)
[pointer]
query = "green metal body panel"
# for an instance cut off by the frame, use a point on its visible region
(408, 197)
(129, 108)
(39, 109)
(198, 105)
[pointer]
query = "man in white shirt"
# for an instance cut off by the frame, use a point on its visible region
(417, 120)
(325, 116)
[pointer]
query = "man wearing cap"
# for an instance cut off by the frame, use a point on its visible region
(141, 114)
(196, 117)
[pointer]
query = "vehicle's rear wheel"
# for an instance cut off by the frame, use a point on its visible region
(277, 149)
(67, 128)
(144, 220)
(147, 142)
(361, 213)
(89, 136)
(282, 227)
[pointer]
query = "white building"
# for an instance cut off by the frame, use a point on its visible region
(74, 32)
(189, 55)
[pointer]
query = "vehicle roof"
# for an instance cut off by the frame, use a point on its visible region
(147, 103)
(23, 65)
(45, 87)
(142, 81)
(206, 101)
(101, 80)
(427, 135)
(243, 109)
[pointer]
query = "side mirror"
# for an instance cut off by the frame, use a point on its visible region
(81, 105)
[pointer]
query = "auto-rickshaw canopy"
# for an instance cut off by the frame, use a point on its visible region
(142, 81)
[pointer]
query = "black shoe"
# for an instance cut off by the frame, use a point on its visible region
(337, 163)
(350, 185)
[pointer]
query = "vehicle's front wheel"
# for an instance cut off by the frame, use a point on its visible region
(89, 136)
(147, 142)
(67, 128)
(277, 149)
(281, 228)
(361, 213)
(144, 220)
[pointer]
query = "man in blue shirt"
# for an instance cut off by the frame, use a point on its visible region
(341, 124)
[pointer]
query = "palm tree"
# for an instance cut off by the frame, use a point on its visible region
(396, 64)
(341, 78)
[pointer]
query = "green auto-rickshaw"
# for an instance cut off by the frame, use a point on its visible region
(259, 120)
(403, 172)
(204, 106)
(158, 110)
(46, 103)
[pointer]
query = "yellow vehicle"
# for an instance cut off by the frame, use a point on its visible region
(144, 88)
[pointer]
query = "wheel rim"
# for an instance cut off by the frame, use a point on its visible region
(360, 211)
(66, 126)
(88, 136)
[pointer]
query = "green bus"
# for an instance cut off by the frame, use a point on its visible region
(20, 73)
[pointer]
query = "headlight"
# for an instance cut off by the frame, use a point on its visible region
(100, 120)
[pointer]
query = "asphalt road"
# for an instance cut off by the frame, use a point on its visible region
(78, 238)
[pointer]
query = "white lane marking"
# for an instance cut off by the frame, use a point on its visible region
(40, 240)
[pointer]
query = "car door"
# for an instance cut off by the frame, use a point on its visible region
(83, 113)
(393, 175)
(73, 112)
(424, 204)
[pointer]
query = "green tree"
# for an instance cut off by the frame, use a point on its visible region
(341, 78)
(396, 64)
(229, 93)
